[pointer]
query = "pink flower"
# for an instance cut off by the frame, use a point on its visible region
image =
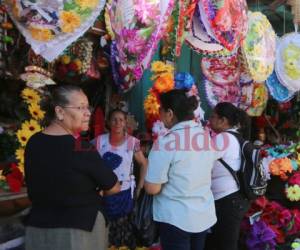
(284, 217)
(132, 41)
(295, 179)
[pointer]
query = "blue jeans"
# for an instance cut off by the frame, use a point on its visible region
(173, 238)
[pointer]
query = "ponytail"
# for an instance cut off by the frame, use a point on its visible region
(236, 117)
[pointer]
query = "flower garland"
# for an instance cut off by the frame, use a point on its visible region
(29, 127)
(76, 59)
(163, 78)
(163, 81)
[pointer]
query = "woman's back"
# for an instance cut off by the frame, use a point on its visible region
(183, 160)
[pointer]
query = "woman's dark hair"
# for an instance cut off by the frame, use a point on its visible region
(182, 105)
(58, 96)
(235, 116)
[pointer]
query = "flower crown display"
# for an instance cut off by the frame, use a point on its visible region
(49, 26)
(138, 26)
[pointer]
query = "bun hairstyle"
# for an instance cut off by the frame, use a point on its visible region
(58, 96)
(236, 117)
(182, 106)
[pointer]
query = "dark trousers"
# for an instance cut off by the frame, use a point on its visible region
(173, 238)
(225, 233)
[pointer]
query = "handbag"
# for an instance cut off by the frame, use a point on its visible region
(145, 227)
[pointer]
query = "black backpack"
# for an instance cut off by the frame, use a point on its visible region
(250, 178)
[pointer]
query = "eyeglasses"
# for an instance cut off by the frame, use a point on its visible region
(81, 108)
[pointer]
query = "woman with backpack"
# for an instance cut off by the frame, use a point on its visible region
(231, 204)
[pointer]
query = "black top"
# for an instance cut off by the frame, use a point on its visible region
(63, 177)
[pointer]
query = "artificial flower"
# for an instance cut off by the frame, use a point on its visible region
(36, 112)
(132, 40)
(291, 55)
(87, 3)
(65, 59)
(14, 178)
(164, 83)
(30, 95)
(293, 193)
(20, 155)
(281, 167)
(78, 63)
(42, 35)
(260, 237)
(69, 21)
(160, 67)
(32, 126)
(295, 179)
(151, 105)
(147, 11)
(23, 136)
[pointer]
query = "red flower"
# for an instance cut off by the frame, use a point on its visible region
(284, 217)
(295, 179)
(14, 178)
(73, 67)
(279, 233)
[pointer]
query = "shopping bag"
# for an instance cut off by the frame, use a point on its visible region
(145, 227)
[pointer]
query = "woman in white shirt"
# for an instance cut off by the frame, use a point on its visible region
(231, 204)
(179, 176)
(119, 149)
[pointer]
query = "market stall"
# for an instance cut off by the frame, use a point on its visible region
(125, 53)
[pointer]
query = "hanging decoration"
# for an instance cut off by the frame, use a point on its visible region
(259, 99)
(226, 93)
(49, 26)
(225, 21)
(258, 48)
(279, 92)
(221, 70)
(200, 41)
(138, 26)
(288, 61)
(36, 77)
(246, 96)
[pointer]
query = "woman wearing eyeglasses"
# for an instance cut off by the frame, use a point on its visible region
(64, 177)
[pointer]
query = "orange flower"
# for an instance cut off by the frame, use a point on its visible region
(164, 83)
(151, 105)
(280, 167)
(69, 21)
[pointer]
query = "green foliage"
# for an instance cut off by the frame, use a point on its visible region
(8, 145)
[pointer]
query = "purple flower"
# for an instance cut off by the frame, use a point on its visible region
(261, 237)
(133, 42)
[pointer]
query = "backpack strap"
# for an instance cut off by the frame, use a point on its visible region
(238, 136)
(232, 172)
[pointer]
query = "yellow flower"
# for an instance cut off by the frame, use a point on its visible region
(69, 21)
(293, 193)
(157, 66)
(23, 136)
(43, 35)
(36, 112)
(87, 3)
(78, 64)
(21, 167)
(20, 155)
(65, 59)
(160, 67)
(151, 105)
(30, 95)
(32, 126)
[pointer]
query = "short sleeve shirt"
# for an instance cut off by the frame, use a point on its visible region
(182, 161)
